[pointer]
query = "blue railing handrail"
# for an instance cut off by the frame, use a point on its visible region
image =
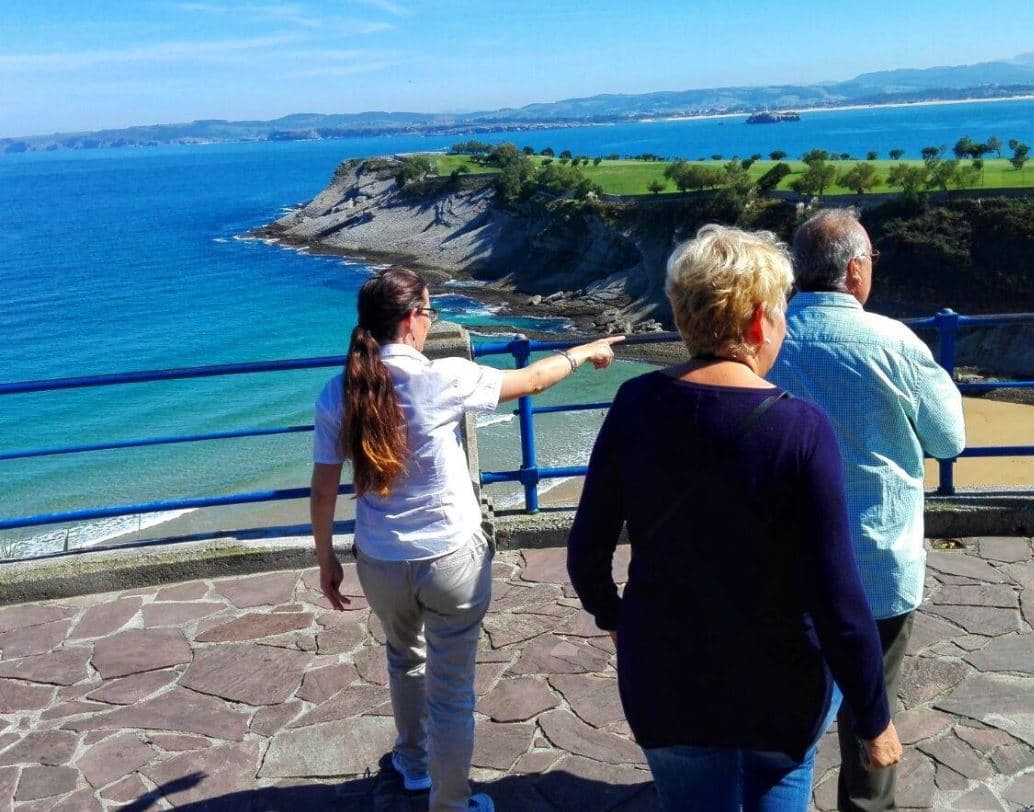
(178, 373)
(946, 322)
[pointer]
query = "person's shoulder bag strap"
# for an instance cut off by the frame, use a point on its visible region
(748, 423)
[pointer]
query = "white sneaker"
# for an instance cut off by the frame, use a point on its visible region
(414, 782)
(480, 803)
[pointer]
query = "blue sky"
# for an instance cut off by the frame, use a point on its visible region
(88, 64)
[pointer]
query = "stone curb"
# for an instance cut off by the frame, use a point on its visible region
(110, 569)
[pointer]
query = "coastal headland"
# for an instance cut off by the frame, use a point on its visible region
(601, 263)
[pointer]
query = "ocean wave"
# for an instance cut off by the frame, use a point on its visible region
(466, 283)
(250, 238)
(493, 419)
(219, 239)
(90, 534)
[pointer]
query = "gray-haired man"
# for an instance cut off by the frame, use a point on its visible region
(890, 403)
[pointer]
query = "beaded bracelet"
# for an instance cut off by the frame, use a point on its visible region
(570, 359)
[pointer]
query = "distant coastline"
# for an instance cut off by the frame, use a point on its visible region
(222, 132)
(845, 107)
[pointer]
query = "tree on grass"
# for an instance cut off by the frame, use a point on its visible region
(716, 157)
(413, 168)
(861, 178)
(963, 147)
(1019, 154)
(548, 151)
(994, 144)
(966, 177)
(910, 179)
(872, 155)
(895, 154)
(656, 186)
(931, 155)
(597, 161)
(942, 174)
(688, 176)
(815, 179)
(736, 177)
(815, 155)
(777, 155)
(515, 169)
(472, 147)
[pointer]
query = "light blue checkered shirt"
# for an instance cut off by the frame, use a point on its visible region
(890, 402)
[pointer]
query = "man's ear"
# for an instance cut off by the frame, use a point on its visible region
(853, 278)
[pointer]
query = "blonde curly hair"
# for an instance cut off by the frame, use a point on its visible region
(716, 281)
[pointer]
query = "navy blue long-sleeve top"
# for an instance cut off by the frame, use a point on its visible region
(746, 603)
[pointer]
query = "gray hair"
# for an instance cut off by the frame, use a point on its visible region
(823, 246)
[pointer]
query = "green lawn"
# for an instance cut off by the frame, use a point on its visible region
(633, 177)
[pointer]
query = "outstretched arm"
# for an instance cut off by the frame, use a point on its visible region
(545, 372)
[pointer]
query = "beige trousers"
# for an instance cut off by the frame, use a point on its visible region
(431, 611)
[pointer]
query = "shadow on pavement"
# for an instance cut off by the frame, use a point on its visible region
(383, 792)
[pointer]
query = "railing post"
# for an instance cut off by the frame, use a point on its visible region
(947, 322)
(526, 420)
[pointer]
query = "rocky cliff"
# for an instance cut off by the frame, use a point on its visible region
(603, 263)
(609, 256)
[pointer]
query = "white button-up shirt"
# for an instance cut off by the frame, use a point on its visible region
(431, 509)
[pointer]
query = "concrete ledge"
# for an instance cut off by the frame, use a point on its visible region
(986, 514)
(109, 570)
(957, 516)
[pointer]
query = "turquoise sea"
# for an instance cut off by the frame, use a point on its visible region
(122, 260)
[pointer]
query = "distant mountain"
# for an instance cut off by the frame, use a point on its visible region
(985, 80)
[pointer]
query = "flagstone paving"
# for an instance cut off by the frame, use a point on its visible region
(250, 693)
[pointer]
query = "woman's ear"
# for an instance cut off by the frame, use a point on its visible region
(756, 326)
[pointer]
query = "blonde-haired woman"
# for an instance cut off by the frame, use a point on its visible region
(422, 560)
(743, 610)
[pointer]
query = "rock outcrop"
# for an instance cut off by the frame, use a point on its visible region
(453, 226)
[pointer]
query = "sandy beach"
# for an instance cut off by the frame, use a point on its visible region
(988, 422)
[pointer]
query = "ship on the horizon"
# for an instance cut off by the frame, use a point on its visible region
(772, 118)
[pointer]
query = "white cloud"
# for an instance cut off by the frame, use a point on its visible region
(209, 51)
(289, 13)
(387, 6)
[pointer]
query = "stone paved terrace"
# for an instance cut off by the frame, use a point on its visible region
(247, 693)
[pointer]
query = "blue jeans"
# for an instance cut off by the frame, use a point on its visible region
(717, 779)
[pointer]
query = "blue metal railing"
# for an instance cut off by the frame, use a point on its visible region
(148, 376)
(947, 323)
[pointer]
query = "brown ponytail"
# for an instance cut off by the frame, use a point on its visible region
(373, 429)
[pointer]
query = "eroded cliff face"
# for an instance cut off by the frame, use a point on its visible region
(607, 257)
(539, 247)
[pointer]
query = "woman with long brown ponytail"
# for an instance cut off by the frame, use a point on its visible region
(422, 560)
